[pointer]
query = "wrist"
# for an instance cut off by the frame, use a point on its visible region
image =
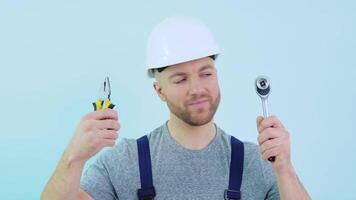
(285, 171)
(71, 160)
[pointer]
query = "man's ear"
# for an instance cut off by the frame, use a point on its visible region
(159, 91)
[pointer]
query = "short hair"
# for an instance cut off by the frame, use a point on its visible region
(159, 70)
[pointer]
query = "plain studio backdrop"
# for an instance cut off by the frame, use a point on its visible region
(55, 55)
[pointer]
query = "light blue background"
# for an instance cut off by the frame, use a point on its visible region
(54, 55)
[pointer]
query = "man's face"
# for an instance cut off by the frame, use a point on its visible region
(191, 90)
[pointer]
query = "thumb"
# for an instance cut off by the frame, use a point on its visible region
(259, 120)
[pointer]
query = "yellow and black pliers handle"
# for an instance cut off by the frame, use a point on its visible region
(104, 97)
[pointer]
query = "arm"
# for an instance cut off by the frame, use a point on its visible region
(64, 182)
(95, 131)
(274, 141)
(290, 187)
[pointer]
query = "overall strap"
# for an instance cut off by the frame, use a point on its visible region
(147, 191)
(236, 169)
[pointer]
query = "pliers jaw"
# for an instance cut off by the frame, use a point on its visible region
(104, 101)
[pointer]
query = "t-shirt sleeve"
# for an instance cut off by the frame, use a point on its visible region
(96, 181)
(271, 181)
(273, 193)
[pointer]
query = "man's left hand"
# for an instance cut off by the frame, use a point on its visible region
(274, 141)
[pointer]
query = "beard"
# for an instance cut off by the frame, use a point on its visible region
(199, 116)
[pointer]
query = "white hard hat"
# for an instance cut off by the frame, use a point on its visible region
(179, 39)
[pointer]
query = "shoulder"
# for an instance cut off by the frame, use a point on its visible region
(122, 154)
(251, 150)
(254, 164)
(157, 134)
(126, 148)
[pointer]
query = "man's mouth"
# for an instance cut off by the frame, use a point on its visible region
(199, 103)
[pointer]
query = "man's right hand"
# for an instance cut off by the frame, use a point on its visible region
(95, 131)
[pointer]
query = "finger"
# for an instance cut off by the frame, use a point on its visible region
(258, 121)
(107, 142)
(107, 124)
(102, 114)
(271, 152)
(271, 121)
(269, 133)
(269, 144)
(108, 134)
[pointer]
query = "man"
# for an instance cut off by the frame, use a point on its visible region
(189, 156)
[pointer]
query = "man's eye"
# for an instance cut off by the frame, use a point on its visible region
(207, 74)
(179, 81)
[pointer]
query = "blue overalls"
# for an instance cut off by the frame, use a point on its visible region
(147, 192)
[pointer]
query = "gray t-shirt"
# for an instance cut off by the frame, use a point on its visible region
(178, 173)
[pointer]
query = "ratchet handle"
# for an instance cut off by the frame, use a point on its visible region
(272, 158)
(265, 114)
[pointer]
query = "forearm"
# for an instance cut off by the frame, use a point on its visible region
(290, 187)
(65, 181)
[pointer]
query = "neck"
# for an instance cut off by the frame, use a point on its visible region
(191, 137)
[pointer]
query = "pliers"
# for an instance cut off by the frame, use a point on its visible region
(104, 96)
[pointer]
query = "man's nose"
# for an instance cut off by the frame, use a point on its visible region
(195, 87)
